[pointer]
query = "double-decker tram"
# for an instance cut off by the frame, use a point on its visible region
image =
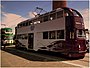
(61, 30)
(6, 36)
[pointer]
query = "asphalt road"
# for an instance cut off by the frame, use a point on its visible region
(11, 57)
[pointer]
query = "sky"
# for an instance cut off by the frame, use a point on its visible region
(13, 12)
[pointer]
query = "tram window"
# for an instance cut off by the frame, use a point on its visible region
(29, 23)
(38, 22)
(40, 19)
(75, 13)
(26, 23)
(20, 25)
(53, 16)
(52, 35)
(81, 33)
(25, 37)
(35, 22)
(59, 14)
(18, 36)
(45, 18)
(8, 30)
(68, 13)
(60, 34)
(71, 35)
(23, 24)
(45, 35)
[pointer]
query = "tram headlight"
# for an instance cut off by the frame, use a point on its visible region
(79, 47)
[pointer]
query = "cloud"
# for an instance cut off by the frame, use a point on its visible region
(11, 20)
(32, 14)
(85, 14)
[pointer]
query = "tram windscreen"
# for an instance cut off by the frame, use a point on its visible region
(8, 30)
(80, 33)
(75, 13)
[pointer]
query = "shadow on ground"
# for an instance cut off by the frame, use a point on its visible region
(35, 56)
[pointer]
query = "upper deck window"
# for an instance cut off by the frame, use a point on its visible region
(59, 14)
(52, 16)
(21, 25)
(45, 18)
(27, 23)
(40, 19)
(67, 13)
(75, 13)
(24, 24)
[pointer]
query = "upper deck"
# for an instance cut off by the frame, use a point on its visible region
(49, 20)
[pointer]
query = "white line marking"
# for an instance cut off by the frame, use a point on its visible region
(74, 64)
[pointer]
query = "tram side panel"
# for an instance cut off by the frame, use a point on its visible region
(23, 42)
(57, 24)
(37, 42)
(53, 25)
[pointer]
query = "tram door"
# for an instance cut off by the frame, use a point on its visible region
(30, 40)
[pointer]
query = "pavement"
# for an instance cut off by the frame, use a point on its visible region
(11, 57)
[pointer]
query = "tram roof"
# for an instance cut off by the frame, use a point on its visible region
(56, 10)
(6, 28)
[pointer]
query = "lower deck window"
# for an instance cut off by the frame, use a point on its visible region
(45, 35)
(52, 35)
(80, 33)
(57, 34)
(60, 34)
(22, 36)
